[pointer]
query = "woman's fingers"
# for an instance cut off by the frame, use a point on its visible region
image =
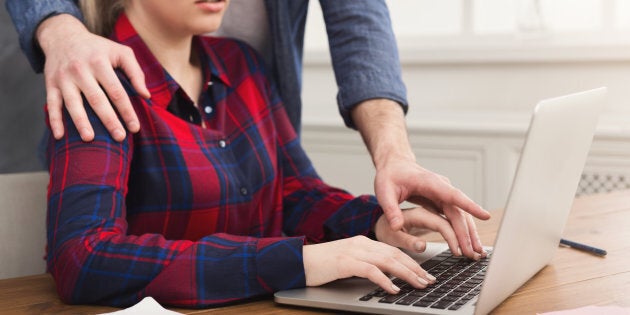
(362, 257)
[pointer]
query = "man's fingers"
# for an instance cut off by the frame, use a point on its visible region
(391, 206)
(474, 236)
(99, 102)
(74, 105)
(129, 64)
(407, 241)
(54, 103)
(463, 202)
(435, 222)
(394, 217)
(444, 193)
(460, 225)
(119, 97)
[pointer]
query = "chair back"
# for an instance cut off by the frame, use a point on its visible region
(22, 224)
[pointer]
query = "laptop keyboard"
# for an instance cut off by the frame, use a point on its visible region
(458, 281)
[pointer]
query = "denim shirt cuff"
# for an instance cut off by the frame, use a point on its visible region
(366, 86)
(28, 18)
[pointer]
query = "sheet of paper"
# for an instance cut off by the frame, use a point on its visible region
(592, 310)
(147, 306)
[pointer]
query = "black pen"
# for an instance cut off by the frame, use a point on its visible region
(583, 247)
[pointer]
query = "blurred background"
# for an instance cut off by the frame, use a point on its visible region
(22, 98)
(474, 70)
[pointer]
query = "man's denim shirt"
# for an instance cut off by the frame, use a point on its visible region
(362, 46)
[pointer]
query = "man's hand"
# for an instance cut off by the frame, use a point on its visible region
(79, 62)
(417, 221)
(399, 178)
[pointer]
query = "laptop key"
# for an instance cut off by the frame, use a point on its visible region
(408, 300)
(423, 303)
(441, 304)
(391, 298)
(456, 306)
(380, 293)
(419, 292)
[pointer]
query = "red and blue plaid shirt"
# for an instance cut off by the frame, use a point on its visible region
(193, 209)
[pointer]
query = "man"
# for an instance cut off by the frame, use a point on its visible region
(371, 93)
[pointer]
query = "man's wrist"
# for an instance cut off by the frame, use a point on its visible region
(56, 25)
(384, 130)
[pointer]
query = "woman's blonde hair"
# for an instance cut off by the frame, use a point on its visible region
(100, 15)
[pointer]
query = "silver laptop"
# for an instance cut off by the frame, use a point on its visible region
(551, 162)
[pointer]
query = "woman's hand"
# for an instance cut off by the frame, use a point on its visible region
(360, 256)
(420, 218)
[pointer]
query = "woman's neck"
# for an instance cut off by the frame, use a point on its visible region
(173, 51)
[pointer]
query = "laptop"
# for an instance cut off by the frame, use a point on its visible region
(549, 169)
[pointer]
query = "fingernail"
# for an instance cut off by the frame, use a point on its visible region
(422, 281)
(419, 246)
(395, 222)
(459, 251)
(57, 134)
(431, 277)
(86, 133)
(119, 134)
(477, 256)
(133, 126)
(395, 287)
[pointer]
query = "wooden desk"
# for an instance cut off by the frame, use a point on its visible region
(573, 279)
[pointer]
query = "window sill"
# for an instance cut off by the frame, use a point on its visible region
(497, 49)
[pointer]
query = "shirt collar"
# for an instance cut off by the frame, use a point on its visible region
(160, 84)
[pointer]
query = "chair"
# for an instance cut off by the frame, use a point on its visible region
(22, 224)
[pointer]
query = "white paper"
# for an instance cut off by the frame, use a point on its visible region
(147, 306)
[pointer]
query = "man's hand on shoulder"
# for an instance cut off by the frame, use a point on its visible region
(79, 62)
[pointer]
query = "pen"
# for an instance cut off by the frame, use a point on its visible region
(583, 247)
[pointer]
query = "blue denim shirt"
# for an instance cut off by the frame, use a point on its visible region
(362, 46)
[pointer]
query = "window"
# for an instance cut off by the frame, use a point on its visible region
(582, 19)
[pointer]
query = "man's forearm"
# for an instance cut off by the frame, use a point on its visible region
(384, 130)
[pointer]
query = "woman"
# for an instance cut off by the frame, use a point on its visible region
(193, 209)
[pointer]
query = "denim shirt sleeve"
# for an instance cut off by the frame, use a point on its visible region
(364, 53)
(26, 16)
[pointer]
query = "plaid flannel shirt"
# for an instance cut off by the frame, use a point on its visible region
(205, 205)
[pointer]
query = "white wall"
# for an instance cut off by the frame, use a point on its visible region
(472, 84)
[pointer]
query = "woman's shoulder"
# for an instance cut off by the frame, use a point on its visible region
(232, 50)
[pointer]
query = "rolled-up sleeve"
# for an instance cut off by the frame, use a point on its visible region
(364, 53)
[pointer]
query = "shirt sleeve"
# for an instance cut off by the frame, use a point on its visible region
(94, 261)
(28, 14)
(364, 53)
(311, 207)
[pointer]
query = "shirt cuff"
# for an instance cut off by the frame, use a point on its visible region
(356, 217)
(280, 263)
(359, 88)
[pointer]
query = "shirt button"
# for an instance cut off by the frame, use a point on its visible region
(244, 191)
(208, 109)
(191, 118)
(222, 143)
